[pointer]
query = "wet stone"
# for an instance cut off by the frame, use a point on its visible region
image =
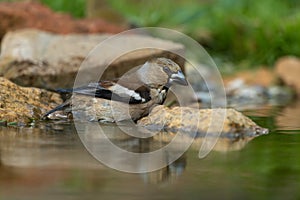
(229, 122)
(22, 105)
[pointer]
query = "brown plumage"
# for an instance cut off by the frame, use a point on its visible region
(129, 97)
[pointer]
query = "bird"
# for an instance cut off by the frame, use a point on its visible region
(132, 96)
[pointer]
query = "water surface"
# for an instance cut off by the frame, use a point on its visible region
(52, 163)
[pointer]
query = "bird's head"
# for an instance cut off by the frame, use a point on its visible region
(161, 71)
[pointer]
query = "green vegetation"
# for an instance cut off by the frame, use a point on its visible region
(75, 7)
(245, 32)
(248, 31)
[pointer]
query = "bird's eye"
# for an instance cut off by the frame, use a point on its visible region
(167, 70)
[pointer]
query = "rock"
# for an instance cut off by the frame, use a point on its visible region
(23, 105)
(242, 96)
(288, 70)
(235, 123)
(249, 88)
(261, 76)
(236, 132)
(19, 15)
(40, 59)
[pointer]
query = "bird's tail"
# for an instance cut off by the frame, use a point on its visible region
(64, 91)
(60, 107)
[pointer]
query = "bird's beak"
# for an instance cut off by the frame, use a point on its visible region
(178, 78)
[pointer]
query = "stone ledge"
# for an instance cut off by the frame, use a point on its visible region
(23, 105)
(40, 59)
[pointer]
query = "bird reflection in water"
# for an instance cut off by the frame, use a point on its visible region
(37, 148)
(171, 170)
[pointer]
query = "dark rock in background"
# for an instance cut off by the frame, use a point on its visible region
(19, 15)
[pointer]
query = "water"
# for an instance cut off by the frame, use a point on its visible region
(52, 163)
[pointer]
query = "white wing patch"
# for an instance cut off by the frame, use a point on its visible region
(125, 92)
(162, 95)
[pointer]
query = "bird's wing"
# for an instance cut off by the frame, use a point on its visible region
(112, 90)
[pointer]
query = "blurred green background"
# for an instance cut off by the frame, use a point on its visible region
(242, 32)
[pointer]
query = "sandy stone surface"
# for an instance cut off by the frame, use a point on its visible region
(205, 129)
(22, 104)
(201, 121)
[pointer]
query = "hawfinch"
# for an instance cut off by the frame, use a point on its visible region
(130, 97)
